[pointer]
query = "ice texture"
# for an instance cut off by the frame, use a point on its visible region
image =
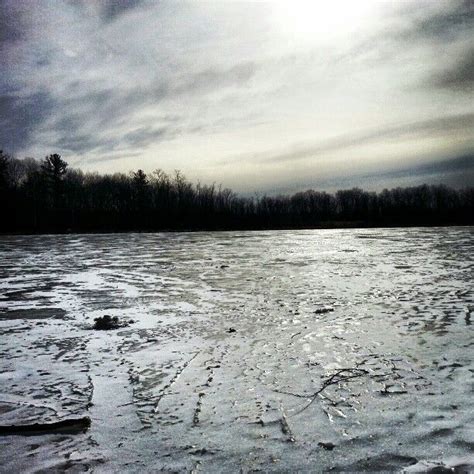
(314, 350)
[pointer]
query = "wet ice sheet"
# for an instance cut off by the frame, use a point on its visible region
(340, 349)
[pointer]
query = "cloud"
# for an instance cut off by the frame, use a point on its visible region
(449, 29)
(100, 113)
(463, 163)
(114, 8)
(448, 21)
(107, 10)
(441, 22)
(435, 31)
(186, 84)
(143, 136)
(457, 171)
(439, 125)
(459, 77)
(88, 117)
(212, 78)
(11, 27)
(20, 117)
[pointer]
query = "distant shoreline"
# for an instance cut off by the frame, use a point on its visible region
(348, 226)
(49, 197)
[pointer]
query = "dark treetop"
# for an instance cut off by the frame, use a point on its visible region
(51, 197)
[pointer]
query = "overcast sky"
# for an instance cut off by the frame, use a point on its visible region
(260, 96)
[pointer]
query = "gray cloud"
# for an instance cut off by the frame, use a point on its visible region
(452, 23)
(107, 157)
(426, 127)
(11, 26)
(21, 116)
(72, 142)
(457, 171)
(187, 83)
(107, 10)
(99, 110)
(452, 20)
(14, 28)
(437, 26)
(438, 22)
(463, 163)
(114, 8)
(212, 78)
(459, 77)
(146, 135)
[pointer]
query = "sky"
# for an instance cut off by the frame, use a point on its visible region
(272, 97)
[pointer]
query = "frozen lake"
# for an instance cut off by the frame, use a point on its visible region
(275, 351)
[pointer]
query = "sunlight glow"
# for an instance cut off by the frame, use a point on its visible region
(319, 18)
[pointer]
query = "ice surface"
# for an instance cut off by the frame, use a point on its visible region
(277, 351)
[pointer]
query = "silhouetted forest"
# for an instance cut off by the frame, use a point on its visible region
(49, 196)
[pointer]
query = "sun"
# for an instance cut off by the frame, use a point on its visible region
(317, 18)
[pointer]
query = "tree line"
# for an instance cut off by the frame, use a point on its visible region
(49, 196)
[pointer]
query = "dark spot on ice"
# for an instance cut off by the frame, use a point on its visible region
(69, 426)
(231, 330)
(392, 390)
(323, 310)
(33, 313)
(327, 446)
(106, 322)
(201, 452)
